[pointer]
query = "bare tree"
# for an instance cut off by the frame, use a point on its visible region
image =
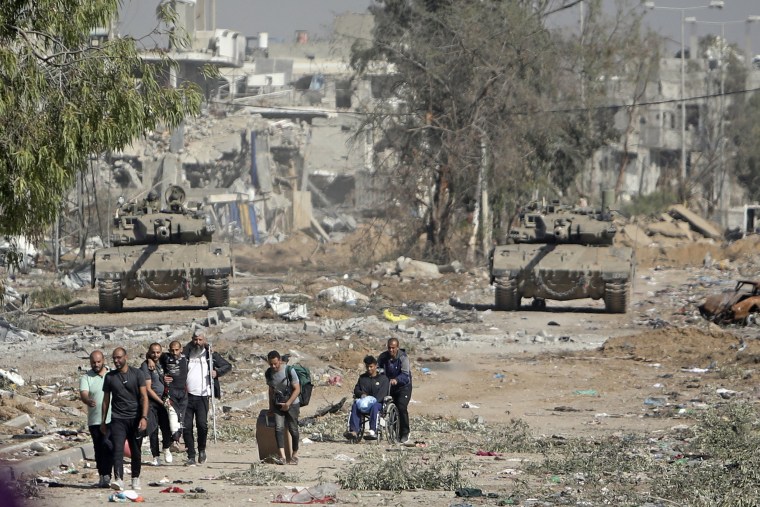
(485, 111)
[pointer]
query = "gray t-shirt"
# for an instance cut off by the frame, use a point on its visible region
(282, 388)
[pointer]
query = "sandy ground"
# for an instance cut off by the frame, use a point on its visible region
(569, 370)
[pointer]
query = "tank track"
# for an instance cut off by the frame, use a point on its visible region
(616, 297)
(507, 297)
(218, 291)
(109, 296)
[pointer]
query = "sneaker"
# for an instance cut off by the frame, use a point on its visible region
(136, 483)
(404, 440)
(190, 462)
(168, 455)
(105, 481)
(201, 457)
(117, 484)
(371, 435)
(155, 462)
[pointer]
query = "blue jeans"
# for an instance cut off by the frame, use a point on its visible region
(356, 417)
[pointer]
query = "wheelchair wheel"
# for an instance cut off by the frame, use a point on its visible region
(392, 423)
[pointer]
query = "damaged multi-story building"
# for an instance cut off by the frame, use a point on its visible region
(276, 149)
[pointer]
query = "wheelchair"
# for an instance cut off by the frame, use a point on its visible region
(388, 424)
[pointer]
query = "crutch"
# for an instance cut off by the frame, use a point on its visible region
(211, 384)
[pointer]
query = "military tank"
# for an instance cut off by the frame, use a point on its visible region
(161, 254)
(562, 253)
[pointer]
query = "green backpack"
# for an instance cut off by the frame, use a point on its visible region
(304, 378)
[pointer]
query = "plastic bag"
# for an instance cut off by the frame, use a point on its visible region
(364, 405)
(319, 494)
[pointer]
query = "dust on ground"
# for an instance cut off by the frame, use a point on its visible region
(563, 371)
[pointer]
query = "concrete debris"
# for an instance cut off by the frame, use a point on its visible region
(12, 377)
(340, 223)
(409, 268)
(287, 310)
(11, 334)
(342, 294)
(634, 235)
(697, 223)
(20, 421)
(669, 230)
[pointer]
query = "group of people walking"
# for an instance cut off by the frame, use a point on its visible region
(170, 392)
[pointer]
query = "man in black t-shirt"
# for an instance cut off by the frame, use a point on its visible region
(125, 393)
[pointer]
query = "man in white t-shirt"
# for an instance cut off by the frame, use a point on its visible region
(201, 385)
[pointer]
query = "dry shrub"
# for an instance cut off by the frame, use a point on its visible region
(400, 471)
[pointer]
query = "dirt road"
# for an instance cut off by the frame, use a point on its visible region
(569, 370)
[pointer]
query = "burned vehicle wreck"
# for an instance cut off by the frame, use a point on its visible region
(737, 306)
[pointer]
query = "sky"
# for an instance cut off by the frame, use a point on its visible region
(281, 18)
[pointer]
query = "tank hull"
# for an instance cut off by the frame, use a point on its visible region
(562, 272)
(162, 272)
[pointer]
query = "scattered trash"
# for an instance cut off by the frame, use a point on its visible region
(725, 393)
(321, 493)
(655, 402)
(390, 316)
(695, 370)
(343, 457)
(498, 376)
(342, 294)
(467, 404)
(468, 492)
(173, 489)
(125, 496)
(425, 371)
(586, 392)
(487, 453)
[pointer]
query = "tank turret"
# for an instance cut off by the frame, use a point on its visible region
(144, 223)
(561, 224)
(161, 254)
(561, 252)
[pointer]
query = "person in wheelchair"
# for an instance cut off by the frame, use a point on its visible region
(369, 392)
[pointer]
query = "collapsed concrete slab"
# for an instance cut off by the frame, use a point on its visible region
(697, 223)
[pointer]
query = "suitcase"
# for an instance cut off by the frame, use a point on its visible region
(266, 441)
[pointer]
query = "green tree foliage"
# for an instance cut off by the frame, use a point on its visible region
(485, 83)
(63, 99)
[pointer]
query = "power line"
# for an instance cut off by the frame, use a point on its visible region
(287, 109)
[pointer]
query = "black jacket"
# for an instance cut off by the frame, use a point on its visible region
(378, 386)
(221, 366)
